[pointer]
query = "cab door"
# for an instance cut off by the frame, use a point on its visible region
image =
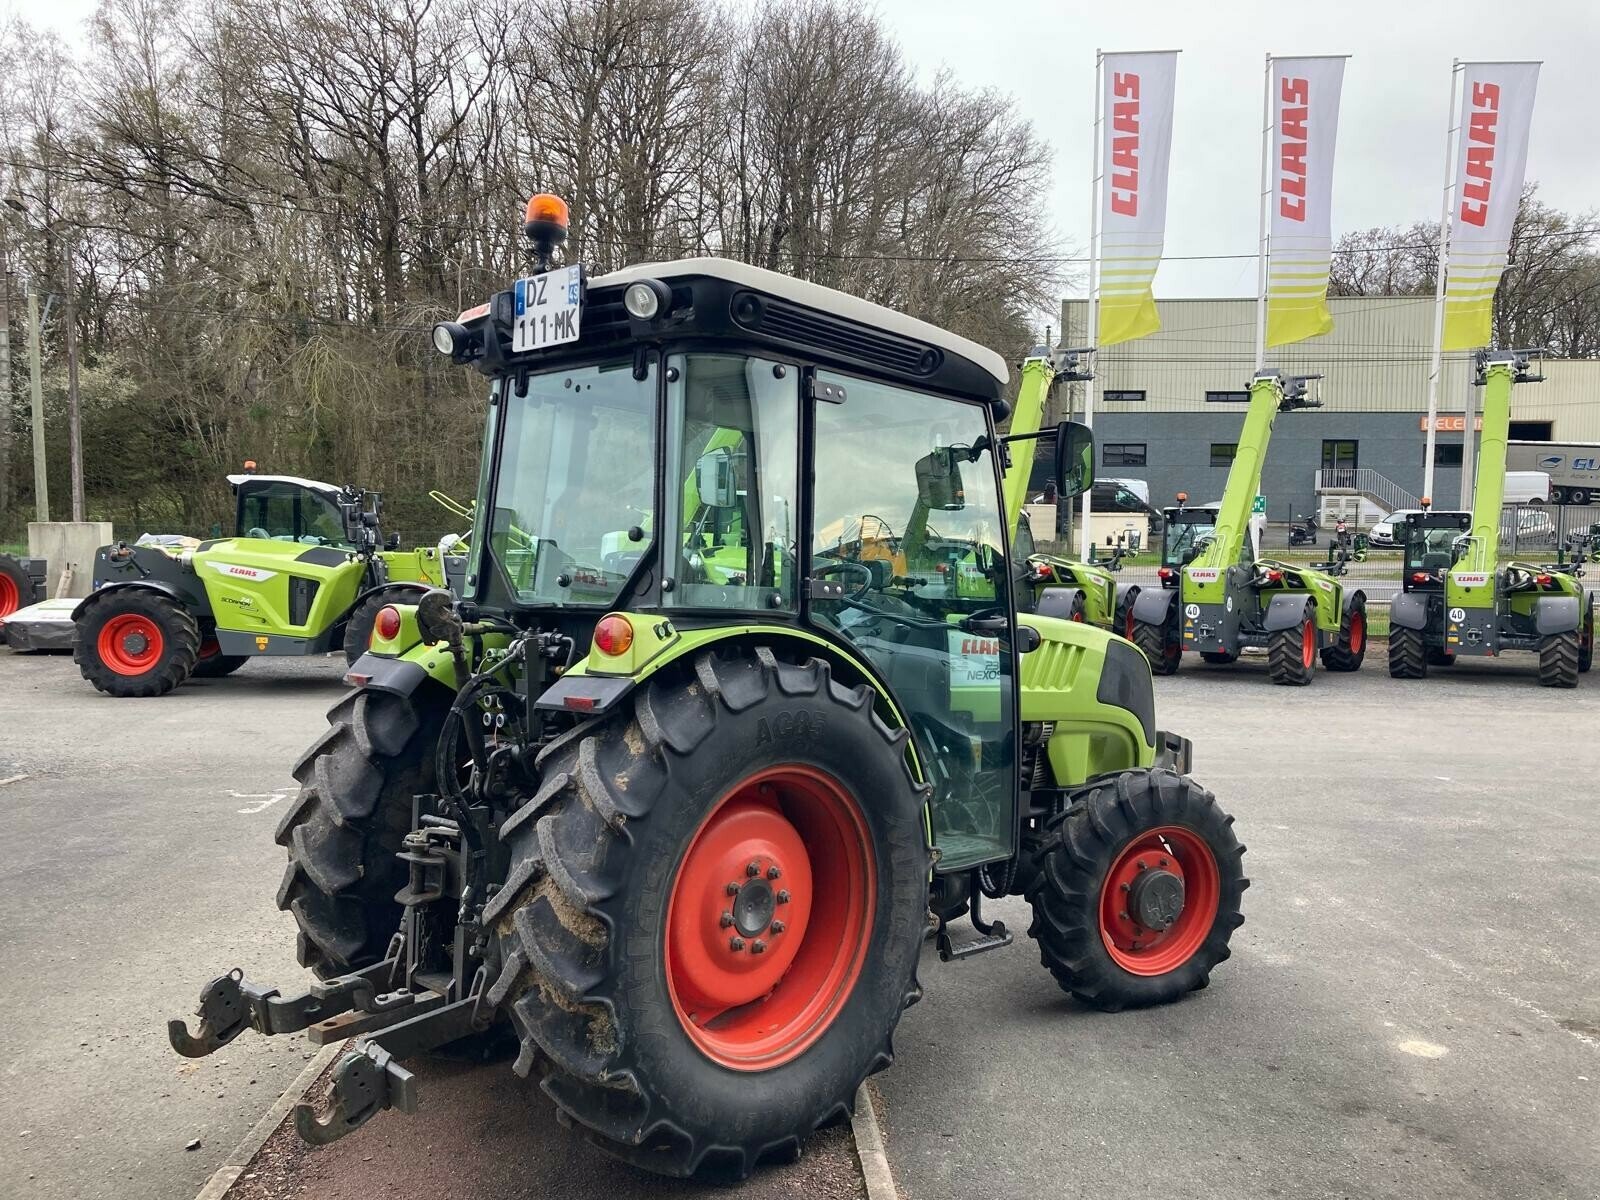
(908, 520)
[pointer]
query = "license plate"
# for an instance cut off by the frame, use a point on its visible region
(548, 308)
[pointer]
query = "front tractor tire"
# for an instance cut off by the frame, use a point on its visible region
(1350, 651)
(1408, 655)
(1292, 652)
(346, 824)
(1139, 890)
(1158, 643)
(135, 642)
(713, 913)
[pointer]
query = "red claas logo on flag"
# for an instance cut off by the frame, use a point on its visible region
(1295, 97)
(1125, 144)
(1481, 124)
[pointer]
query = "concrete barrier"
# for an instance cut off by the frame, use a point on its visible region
(68, 544)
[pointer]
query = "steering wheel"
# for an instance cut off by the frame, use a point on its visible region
(255, 531)
(845, 567)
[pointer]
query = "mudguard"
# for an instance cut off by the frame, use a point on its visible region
(1057, 602)
(1153, 605)
(1556, 614)
(1285, 611)
(397, 676)
(1408, 610)
(149, 585)
(1350, 599)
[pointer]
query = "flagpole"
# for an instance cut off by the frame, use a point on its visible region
(1451, 138)
(1096, 169)
(1264, 233)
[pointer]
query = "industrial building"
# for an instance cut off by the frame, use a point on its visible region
(1169, 406)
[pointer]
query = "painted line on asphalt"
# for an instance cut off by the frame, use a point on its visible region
(233, 1166)
(869, 1148)
(12, 779)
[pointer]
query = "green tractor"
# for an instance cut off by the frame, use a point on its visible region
(306, 572)
(1217, 597)
(1457, 599)
(681, 807)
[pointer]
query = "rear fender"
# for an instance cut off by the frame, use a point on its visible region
(1285, 610)
(1350, 599)
(1154, 605)
(1408, 610)
(1057, 602)
(1556, 614)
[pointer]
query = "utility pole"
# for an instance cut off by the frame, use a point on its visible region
(74, 425)
(41, 486)
(5, 383)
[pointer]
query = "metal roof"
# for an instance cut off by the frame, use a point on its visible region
(315, 485)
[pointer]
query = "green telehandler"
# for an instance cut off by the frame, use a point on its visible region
(1457, 598)
(685, 826)
(306, 571)
(1217, 596)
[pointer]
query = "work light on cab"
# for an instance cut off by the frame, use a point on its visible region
(647, 299)
(449, 337)
(387, 623)
(613, 635)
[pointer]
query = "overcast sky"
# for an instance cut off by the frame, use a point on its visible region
(1390, 161)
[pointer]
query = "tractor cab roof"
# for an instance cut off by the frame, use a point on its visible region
(315, 485)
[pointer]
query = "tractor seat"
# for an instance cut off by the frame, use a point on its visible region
(1436, 562)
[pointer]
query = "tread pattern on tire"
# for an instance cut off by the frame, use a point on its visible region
(343, 828)
(1558, 660)
(557, 910)
(1079, 847)
(1586, 635)
(1408, 658)
(1286, 662)
(1339, 656)
(1153, 642)
(179, 631)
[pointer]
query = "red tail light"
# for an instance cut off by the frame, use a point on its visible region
(1165, 573)
(1420, 577)
(613, 635)
(1542, 580)
(1273, 575)
(387, 623)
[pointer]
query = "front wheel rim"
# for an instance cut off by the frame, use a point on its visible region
(1308, 644)
(1166, 877)
(1358, 632)
(10, 595)
(782, 862)
(130, 643)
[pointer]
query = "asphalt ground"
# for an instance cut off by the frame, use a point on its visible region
(1411, 1008)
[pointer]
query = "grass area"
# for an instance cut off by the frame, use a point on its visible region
(15, 549)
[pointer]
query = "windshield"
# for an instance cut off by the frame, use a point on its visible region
(287, 512)
(1433, 547)
(574, 491)
(1185, 531)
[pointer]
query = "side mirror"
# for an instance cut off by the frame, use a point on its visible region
(392, 542)
(939, 482)
(1074, 473)
(714, 481)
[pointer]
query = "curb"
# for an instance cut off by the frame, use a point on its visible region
(233, 1166)
(869, 1148)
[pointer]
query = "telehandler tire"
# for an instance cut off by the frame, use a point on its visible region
(1137, 846)
(713, 913)
(352, 813)
(1559, 660)
(1159, 643)
(135, 642)
(16, 588)
(1586, 635)
(1292, 652)
(213, 663)
(1348, 653)
(1408, 658)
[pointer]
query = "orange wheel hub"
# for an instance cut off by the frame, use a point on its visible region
(770, 917)
(130, 643)
(1159, 901)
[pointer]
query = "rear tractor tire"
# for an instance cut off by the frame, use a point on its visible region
(1348, 653)
(344, 828)
(16, 588)
(1586, 635)
(1408, 657)
(712, 918)
(1292, 652)
(212, 663)
(1159, 643)
(1139, 890)
(135, 642)
(1559, 660)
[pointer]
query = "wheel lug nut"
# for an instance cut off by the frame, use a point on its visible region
(1163, 862)
(777, 927)
(1127, 887)
(1124, 916)
(727, 919)
(753, 870)
(783, 896)
(736, 943)
(773, 872)
(733, 889)
(1143, 866)
(758, 947)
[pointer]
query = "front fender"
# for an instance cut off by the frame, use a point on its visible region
(1556, 614)
(149, 585)
(1285, 611)
(1153, 605)
(1408, 610)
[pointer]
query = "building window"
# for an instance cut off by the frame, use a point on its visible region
(1227, 397)
(1123, 397)
(1527, 431)
(1339, 455)
(1122, 454)
(1222, 453)
(1447, 454)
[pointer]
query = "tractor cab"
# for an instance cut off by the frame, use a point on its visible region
(1434, 542)
(1186, 530)
(286, 508)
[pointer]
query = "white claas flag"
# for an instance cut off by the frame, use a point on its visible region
(1305, 125)
(1491, 162)
(1136, 147)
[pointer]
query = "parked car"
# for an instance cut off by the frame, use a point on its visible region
(1530, 527)
(1388, 531)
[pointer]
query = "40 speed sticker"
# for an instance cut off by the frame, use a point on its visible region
(1191, 611)
(1458, 615)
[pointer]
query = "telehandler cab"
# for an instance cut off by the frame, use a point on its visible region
(687, 828)
(1457, 599)
(306, 571)
(1218, 597)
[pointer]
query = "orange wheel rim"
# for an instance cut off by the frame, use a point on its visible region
(1308, 644)
(770, 917)
(130, 643)
(1358, 632)
(1159, 901)
(10, 596)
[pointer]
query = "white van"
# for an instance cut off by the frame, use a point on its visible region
(1527, 487)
